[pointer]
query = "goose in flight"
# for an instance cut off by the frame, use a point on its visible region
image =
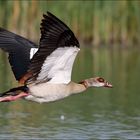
(44, 71)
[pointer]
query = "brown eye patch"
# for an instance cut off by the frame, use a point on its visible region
(101, 80)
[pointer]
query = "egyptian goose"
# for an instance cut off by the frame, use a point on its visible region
(44, 72)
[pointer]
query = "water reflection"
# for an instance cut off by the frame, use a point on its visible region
(97, 113)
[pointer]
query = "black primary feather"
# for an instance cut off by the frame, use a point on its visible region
(54, 34)
(19, 51)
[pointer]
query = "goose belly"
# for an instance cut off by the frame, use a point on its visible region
(48, 92)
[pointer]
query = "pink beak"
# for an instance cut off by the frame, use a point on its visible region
(108, 85)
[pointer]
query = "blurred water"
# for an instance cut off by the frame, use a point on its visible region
(98, 113)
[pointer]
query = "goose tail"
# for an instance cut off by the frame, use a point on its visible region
(14, 94)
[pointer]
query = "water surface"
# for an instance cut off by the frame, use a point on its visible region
(98, 113)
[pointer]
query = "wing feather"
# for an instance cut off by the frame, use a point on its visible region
(18, 49)
(58, 46)
(58, 66)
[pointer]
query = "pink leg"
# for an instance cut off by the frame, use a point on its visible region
(13, 98)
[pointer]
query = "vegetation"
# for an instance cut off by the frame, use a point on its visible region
(97, 22)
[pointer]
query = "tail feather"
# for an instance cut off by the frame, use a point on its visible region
(15, 91)
(14, 94)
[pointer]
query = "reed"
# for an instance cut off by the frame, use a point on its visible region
(97, 22)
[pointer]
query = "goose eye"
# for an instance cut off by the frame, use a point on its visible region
(101, 80)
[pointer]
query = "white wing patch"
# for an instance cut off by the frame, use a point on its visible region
(32, 52)
(58, 65)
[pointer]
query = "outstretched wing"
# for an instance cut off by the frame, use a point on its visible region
(19, 50)
(57, 51)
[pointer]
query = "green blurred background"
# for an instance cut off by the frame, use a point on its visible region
(97, 22)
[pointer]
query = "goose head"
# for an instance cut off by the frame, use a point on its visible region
(97, 82)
